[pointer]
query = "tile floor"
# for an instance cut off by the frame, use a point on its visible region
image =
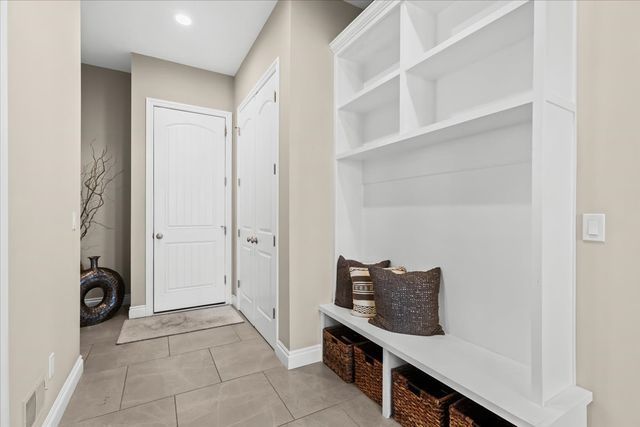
(227, 376)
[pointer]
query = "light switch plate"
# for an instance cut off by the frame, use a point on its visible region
(593, 226)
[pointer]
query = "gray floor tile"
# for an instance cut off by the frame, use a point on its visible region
(246, 331)
(243, 358)
(97, 394)
(161, 413)
(108, 356)
(310, 388)
(330, 417)
(191, 341)
(246, 401)
(159, 378)
(107, 331)
(366, 412)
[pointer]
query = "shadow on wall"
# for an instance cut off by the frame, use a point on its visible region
(106, 124)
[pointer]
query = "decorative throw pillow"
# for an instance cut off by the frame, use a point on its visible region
(363, 300)
(407, 303)
(344, 287)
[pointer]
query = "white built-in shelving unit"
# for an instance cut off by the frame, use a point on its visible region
(455, 147)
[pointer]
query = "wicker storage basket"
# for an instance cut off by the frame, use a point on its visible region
(467, 413)
(337, 350)
(368, 362)
(420, 400)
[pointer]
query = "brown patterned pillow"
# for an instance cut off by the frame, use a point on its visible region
(363, 302)
(407, 303)
(344, 287)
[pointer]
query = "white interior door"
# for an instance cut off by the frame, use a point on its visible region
(257, 209)
(189, 209)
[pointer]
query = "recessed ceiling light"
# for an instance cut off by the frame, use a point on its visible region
(183, 19)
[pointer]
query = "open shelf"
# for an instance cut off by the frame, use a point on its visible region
(494, 381)
(383, 91)
(372, 56)
(429, 23)
(496, 31)
(371, 114)
(495, 115)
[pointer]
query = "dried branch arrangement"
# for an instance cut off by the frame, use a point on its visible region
(97, 174)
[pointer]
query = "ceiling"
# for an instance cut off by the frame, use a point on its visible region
(219, 38)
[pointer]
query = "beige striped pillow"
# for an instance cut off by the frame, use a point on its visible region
(364, 305)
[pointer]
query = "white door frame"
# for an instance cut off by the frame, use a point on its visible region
(274, 69)
(227, 115)
(4, 254)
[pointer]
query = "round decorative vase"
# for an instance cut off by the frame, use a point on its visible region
(112, 287)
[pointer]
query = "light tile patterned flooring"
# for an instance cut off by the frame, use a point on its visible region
(227, 376)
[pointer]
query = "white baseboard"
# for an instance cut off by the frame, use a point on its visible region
(137, 311)
(62, 400)
(127, 300)
(292, 359)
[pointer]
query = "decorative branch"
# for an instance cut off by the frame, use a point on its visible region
(97, 175)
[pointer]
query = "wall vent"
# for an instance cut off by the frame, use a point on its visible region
(33, 405)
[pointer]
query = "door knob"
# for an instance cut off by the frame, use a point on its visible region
(159, 236)
(255, 240)
(249, 239)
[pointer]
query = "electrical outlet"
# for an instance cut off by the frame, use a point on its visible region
(52, 365)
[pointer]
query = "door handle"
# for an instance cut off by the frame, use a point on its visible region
(159, 236)
(255, 240)
(249, 239)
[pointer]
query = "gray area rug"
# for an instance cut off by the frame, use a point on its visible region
(164, 325)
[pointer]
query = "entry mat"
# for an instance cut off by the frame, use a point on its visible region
(163, 325)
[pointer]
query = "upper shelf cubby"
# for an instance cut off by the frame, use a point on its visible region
(431, 23)
(504, 27)
(370, 57)
(487, 61)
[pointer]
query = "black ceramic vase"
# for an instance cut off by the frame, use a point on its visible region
(112, 287)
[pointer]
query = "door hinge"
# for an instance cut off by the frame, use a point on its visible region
(238, 182)
(238, 130)
(238, 232)
(225, 131)
(224, 228)
(238, 283)
(225, 181)
(274, 312)
(274, 168)
(274, 240)
(275, 97)
(225, 279)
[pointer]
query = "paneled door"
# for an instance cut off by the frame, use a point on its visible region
(257, 148)
(189, 209)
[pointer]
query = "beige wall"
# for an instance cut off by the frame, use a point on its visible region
(311, 160)
(609, 182)
(155, 78)
(274, 41)
(299, 32)
(106, 122)
(44, 190)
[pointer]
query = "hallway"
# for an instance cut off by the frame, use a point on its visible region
(225, 376)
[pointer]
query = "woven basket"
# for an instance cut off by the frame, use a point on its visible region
(368, 362)
(420, 400)
(467, 413)
(337, 350)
